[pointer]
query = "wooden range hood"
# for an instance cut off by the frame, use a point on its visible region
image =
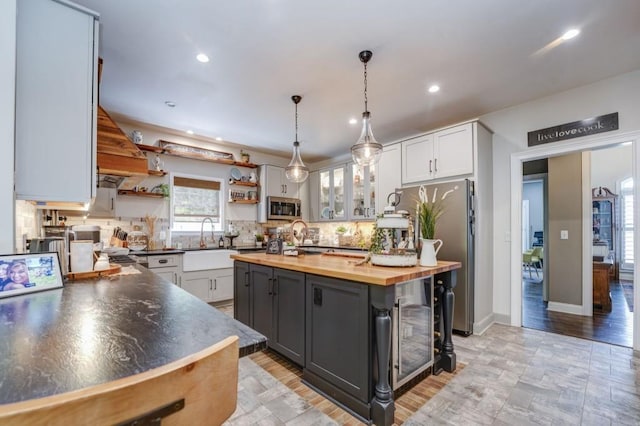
(117, 155)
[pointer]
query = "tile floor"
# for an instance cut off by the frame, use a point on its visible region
(513, 376)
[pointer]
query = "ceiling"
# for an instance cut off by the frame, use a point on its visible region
(485, 55)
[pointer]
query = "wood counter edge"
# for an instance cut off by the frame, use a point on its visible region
(367, 274)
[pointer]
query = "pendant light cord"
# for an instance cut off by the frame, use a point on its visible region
(365, 87)
(296, 122)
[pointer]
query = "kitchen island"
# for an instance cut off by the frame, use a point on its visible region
(95, 331)
(336, 319)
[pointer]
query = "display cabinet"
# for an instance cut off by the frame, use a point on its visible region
(604, 210)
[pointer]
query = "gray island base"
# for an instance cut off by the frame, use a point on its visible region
(339, 322)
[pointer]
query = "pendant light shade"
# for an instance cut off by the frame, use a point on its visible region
(366, 150)
(296, 171)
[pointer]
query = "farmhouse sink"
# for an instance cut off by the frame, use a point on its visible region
(201, 260)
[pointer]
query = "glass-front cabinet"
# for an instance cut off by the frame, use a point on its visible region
(332, 193)
(363, 192)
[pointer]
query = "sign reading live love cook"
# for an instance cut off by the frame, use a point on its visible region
(590, 126)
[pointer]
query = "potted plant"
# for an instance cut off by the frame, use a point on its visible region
(428, 212)
(244, 156)
(259, 240)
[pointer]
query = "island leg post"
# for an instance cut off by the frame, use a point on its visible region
(448, 356)
(382, 405)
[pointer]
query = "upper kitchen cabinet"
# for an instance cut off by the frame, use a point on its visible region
(387, 175)
(363, 192)
(332, 197)
(275, 183)
(56, 100)
(437, 155)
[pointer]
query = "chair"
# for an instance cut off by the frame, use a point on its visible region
(205, 383)
(533, 258)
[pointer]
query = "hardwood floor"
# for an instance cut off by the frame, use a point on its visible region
(615, 327)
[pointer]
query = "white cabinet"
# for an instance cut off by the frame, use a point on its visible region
(56, 102)
(441, 154)
(210, 285)
(104, 205)
(417, 159)
(275, 183)
(168, 266)
(314, 196)
(363, 192)
(388, 176)
(332, 197)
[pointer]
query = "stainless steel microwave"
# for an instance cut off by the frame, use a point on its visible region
(283, 208)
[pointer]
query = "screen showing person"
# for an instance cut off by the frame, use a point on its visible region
(18, 276)
(24, 273)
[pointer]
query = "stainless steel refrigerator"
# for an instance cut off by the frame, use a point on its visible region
(456, 229)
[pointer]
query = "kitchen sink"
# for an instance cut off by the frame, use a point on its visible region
(200, 260)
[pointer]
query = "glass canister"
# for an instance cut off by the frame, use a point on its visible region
(136, 239)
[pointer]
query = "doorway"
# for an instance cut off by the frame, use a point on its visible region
(584, 306)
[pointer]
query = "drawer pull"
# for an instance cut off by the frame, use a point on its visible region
(163, 261)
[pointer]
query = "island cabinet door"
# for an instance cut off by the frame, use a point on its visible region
(241, 296)
(337, 340)
(288, 314)
(261, 283)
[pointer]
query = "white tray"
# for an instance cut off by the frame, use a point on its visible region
(392, 222)
(394, 259)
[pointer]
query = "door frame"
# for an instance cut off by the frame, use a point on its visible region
(553, 150)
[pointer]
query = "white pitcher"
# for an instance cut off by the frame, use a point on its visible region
(429, 252)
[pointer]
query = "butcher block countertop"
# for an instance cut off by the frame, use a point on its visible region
(346, 268)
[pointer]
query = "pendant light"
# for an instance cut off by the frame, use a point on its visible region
(296, 171)
(367, 150)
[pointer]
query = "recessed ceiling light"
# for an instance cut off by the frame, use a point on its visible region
(218, 138)
(570, 34)
(434, 88)
(202, 58)
(170, 104)
(190, 132)
(353, 121)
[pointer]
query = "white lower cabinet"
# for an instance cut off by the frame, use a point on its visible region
(211, 285)
(167, 266)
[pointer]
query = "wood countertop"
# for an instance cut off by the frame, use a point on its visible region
(97, 330)
(345, 267)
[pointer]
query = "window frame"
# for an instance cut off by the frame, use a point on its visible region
(626, 192)
(196, 226)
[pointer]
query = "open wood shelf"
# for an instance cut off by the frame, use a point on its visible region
(157, 173)
(150, 148)
(140, 193)
(194, 156)
(244, 201)
(241, 183)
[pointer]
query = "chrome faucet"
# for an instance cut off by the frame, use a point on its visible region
(203, 243)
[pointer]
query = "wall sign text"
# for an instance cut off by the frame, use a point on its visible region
(590, 126)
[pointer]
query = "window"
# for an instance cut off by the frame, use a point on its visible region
(193, 199)
(626, 192)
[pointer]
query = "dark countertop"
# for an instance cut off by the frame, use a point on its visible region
(98, 330)
(183, 250)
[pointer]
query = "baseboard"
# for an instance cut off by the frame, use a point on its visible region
(504, 319)
(482, 325)
(565, 307)
(627, 276)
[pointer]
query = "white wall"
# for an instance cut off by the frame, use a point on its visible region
(610, 166)
(510, 127)
(533, 191)
(7, 114)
